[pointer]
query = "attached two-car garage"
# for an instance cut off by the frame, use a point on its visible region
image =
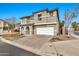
(45, 31)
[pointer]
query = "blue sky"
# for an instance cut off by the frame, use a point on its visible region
(18, 10)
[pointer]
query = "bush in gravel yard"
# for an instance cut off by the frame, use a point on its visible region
(61, 38)
(54, 39)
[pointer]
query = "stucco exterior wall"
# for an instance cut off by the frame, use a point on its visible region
(46, 19)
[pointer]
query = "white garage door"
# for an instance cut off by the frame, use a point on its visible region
(45, 30)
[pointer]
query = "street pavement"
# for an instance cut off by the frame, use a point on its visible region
(9, 50)
(76, 32)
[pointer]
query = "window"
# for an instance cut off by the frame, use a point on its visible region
(27, 28)
(39, 17)
(51, 14)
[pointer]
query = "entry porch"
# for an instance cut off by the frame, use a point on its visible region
(27, 29)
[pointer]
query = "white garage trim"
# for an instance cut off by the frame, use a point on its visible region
(45, 30)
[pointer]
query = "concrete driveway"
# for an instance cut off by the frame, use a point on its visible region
(34, 41)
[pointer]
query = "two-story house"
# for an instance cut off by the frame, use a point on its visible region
(42, 22)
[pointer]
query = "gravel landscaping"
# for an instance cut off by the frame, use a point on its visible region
(13, 36)
(53, 39)
(61, 38)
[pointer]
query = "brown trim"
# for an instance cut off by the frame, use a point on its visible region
(43, 24)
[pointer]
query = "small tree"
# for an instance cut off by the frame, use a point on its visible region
(11, 26)
(11, 22)
(69, 16)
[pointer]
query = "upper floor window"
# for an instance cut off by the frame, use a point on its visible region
(39, 17)
(23, 21)
(51, 14)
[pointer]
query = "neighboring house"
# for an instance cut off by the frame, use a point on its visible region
(4, 26)
(43, 22)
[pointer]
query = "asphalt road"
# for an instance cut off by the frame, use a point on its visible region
(9, 50)
(76, 32)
